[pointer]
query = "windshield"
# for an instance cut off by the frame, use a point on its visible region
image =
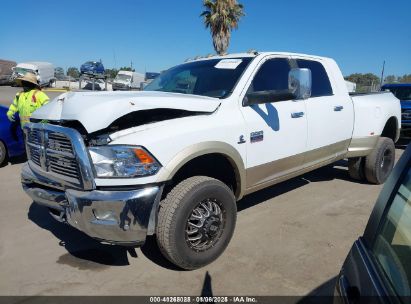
(123, 77)
(213, 78)
(402, 93)
(23, 71)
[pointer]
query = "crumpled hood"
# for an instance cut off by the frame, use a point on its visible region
(97, 110)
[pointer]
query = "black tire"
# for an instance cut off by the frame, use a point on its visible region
(175, 216)
(3, 153)
(356, 168)
(379, 164)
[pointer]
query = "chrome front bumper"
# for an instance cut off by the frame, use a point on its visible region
(116, 217)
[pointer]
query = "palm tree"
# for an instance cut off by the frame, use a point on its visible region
(222, 16)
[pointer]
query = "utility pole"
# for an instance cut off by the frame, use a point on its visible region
(131, 65)
(115, 59)
(382, 74)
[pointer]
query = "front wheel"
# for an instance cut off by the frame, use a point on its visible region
(379, 164)
(196, 222)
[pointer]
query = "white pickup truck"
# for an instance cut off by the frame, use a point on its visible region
(174, 159)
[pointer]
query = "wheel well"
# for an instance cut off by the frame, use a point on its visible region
(390, 129)
(7, 151)
(214, 165)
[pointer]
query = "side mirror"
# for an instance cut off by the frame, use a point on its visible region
(299, 87)
(267, 96)
(300, 82)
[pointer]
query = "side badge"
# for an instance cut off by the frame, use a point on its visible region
(256, 136)
(241, 140)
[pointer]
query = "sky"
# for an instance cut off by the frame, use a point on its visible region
(158, 34)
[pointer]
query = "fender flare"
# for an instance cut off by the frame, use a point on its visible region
(211, 147)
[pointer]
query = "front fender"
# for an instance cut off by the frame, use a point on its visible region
(204, 148)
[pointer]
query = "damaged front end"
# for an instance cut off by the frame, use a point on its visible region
(128, 121)
(60, 175)
(75, 147)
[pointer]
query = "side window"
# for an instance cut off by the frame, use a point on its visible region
(392, 247)
(321, 85)
(272, 75)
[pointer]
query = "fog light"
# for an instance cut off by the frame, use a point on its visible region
(104, 215)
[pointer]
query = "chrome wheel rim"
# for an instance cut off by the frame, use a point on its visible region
(205, 225)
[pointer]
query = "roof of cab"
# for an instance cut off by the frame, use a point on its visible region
(253, 54)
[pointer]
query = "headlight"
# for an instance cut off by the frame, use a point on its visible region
(123, 161)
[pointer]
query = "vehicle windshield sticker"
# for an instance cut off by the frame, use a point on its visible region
(229, 64)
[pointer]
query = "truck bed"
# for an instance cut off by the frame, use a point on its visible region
(372, 112)
(352, 94)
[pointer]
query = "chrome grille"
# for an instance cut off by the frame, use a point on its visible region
(59, 142)
(34, 137)
(63, 166)
(406, 114)
(52, 152)
(34, 153)
(59, 154)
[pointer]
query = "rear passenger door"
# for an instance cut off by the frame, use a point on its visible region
(329, 114)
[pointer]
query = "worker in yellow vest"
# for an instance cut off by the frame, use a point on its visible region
(27, 101)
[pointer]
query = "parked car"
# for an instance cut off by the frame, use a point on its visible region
(11, 137)
(92, 68)
(174, 159)
(43, 70)
(403, 92)
(6, 71)
(126, 80)
(379, 263)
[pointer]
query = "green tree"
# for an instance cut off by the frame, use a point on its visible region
(221, 17)
(111, 73)
(365, 82)
(405, 78)
(390, 79)
(73, 72)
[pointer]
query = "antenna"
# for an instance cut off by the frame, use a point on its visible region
(382, 74)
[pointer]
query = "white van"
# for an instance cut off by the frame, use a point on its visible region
(43, 70)
(127, 80)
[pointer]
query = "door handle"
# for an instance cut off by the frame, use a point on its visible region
(297, 114)
(338, 108)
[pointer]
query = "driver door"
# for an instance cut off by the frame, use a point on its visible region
(276, 135)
